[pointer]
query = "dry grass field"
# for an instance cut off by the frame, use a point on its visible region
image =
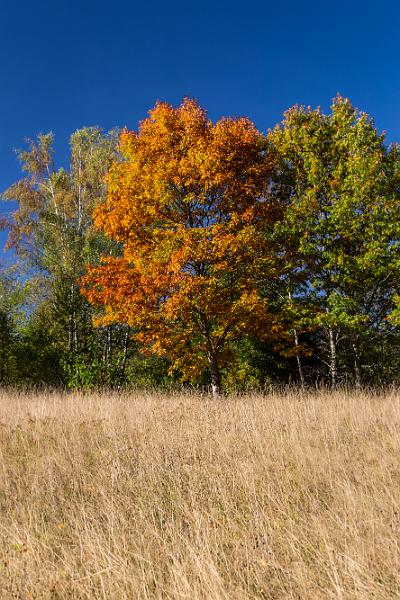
(185, 497)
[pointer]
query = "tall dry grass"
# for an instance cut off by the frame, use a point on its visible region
(183, 497)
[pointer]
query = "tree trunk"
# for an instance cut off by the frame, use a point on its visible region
(73, 329)
(124, 359)
(332, 358)
(357, 368)
(215, 378)
(296, 343)
(298, 358)
(214, 370)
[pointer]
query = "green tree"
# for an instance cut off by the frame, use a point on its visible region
(340, 234)
(14, 300)
(51, 231)
(7, 331)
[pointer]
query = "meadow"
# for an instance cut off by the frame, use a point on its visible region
(145, 496)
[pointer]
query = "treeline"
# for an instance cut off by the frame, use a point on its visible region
(206, 253)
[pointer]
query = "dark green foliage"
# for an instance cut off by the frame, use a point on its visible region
(38, 354)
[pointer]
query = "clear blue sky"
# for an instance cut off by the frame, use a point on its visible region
(67, 64)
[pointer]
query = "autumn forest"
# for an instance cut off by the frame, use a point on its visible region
(205, 254)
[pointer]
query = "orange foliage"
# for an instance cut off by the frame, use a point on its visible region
(188, 203)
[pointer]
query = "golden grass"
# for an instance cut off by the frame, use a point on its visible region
(183, 497)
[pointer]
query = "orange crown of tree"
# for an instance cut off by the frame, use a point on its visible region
(189, 204)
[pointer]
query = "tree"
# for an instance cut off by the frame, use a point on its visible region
(8, 307)
(14, 300)
(51, 231)
(341, 231)
(186, 204)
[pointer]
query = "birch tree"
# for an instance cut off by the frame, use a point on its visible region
(51, 230)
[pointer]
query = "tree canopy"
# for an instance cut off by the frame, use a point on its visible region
(207, 252)
(185, 203)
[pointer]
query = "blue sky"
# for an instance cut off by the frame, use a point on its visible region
(67, 64)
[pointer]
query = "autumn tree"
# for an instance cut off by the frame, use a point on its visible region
(341, 231)
(186, 204)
